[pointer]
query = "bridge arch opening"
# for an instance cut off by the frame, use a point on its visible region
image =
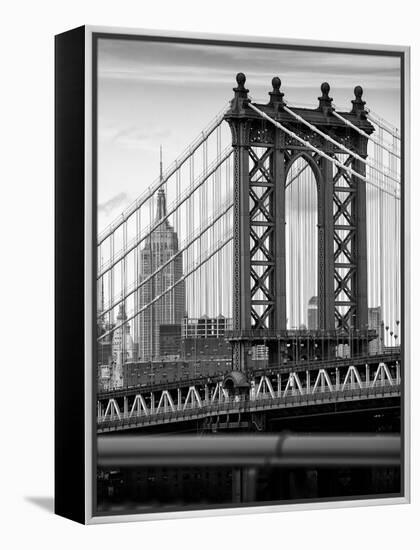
(301, 236)
(236, 383)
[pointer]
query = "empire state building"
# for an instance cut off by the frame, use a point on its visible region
(168, 307)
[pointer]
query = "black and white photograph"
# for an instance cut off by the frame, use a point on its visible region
(249, 320)
(209, 277)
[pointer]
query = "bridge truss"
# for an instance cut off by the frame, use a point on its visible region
(211, 399)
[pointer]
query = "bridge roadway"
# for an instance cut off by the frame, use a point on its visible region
(244, 405)
(331, 382)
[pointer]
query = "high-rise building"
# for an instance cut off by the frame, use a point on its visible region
(123, 348)
(116, 349)
(205, 337)
(375, 323)
(205, 327)
(168, 307)
(313, 313)
(104, 346)
(170, 341)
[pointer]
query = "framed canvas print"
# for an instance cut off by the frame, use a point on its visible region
(232, 297)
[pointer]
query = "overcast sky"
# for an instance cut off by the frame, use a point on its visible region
(165, 93)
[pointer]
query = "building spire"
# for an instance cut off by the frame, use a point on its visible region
(101, 297)
(161, 198)
(161, 165)
(102, 294)
(122, 316)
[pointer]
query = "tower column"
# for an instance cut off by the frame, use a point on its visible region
(241, 227)
(326, 300)
(361, 320)
(280, 230)
(360, 245)
(241, 248)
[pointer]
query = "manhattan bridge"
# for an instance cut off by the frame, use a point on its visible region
(256, 283)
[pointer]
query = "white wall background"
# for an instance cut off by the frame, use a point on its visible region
(26, 289)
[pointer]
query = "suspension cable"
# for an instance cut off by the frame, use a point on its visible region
(153, 226)
(157, 184)
(381, 124)
(320, 153)
(363, 133)
(160, 268)
(339, 145)
(218, 246)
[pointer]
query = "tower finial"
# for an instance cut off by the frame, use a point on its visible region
(240, 80)
(358, 103)
(240, 99)
(325, 100)
(276, 96)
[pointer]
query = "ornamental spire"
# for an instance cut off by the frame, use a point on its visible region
(161, 197)
(276, 96)
(358, 103)
(325, 100)
(240, 99)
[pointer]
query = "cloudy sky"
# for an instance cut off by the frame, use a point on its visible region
(165, 93)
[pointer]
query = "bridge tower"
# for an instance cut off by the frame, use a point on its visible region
(263, 156)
